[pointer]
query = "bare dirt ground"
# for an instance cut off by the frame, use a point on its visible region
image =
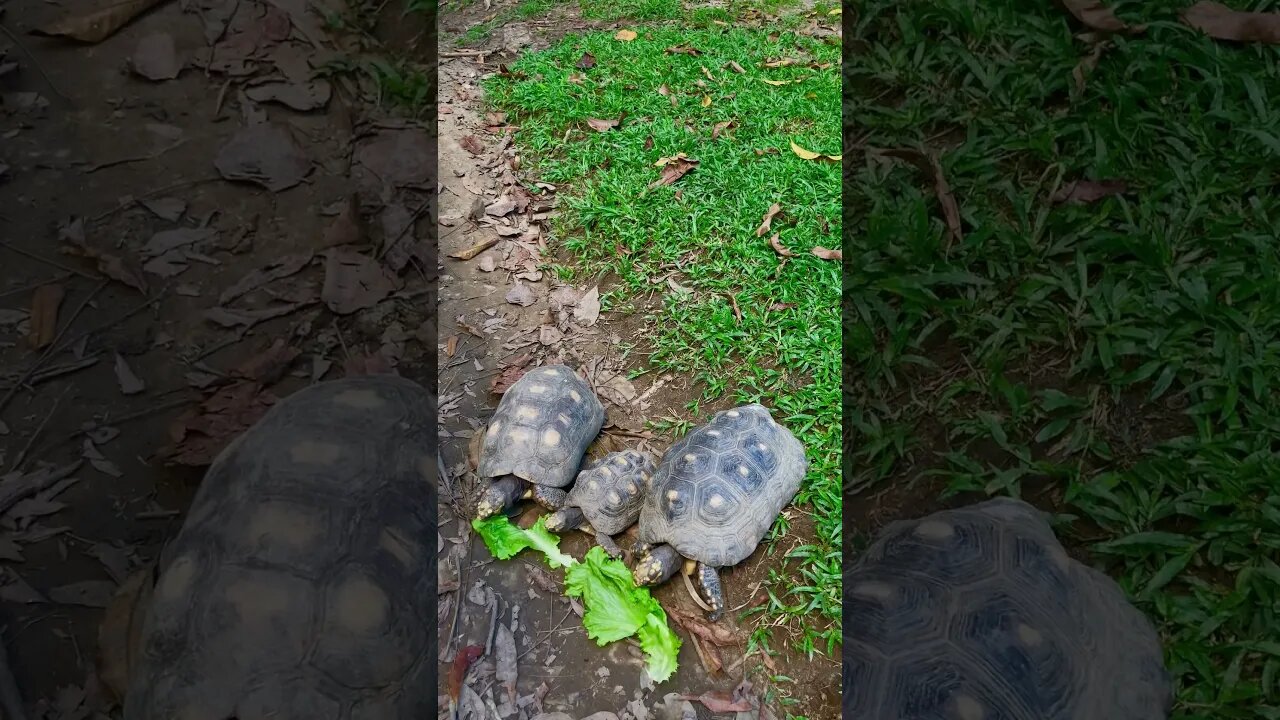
(501, 315)
(191, 229)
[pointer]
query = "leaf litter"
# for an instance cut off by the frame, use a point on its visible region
(45, 302)
(265, 154)
(928, 164)
(1223, 23)
(1083, 192)
(97, 24)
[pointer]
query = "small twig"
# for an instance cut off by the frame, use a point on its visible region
(4, 402)
(549, 634)
(134, 199)
(34, 285)
(22, 454)
(47, 261)
(133, 158)
(39, 68)
(463, 53)
(137, 414)
(493, 623)
(64, 369)
(458, 599)
(156, 514)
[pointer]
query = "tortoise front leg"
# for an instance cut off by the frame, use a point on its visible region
(565, 519)
(707, 581)
(610, 547)
(501, 494)
(655, 565)
(549, 498)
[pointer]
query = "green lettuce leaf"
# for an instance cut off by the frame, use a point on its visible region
(505, 540)
(615, 609)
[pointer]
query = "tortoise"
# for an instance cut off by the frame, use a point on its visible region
(606, 498)
(978, 612)
(302, 582)
(536, 439)
(715, 494)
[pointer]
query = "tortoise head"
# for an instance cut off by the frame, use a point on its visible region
(500, 495)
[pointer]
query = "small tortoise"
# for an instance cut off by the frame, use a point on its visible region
(979, 613)
(606, 498)
(715, 494)
(536, 439)
(301, 585)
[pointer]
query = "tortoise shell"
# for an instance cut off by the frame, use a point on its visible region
(302, 582)
(979, 613)
(542, 428)
(611, 490)
(718, 490)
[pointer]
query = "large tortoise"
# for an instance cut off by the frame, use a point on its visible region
(536, 439)
(301, 585)
(978, 613)
(715, 494)
(606, 498)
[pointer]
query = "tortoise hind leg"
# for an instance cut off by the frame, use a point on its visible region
(707, 581)
(548, 497)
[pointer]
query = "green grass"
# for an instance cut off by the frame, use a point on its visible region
(700, 232)
(1123, 355)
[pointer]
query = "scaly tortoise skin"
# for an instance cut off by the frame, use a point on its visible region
(536, 439)
(606, 498)
(979, 613)
(716, 493)
(301, 585)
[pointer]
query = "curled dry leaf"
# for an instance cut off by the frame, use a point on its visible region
(673, 170)
(1097, 16)
(683, 50)
(928, 164)
(809, 154)
(45, 302)
(776, 244)
(586, 62)
(774, 209)
(719, 128)
(625, 35)
(827, 254)
(1083, 192)
(734, 66)
(1223, 23)
(458, 668)
(602, 125)
(98, 24)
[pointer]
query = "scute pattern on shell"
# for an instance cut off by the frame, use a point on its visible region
(299, 586)
(542, 427)
(979, 613)
(611, 490)
(718, 490)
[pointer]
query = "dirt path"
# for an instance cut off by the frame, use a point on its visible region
(132, 171)
(500, 315)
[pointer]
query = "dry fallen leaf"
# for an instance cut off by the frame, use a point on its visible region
(663, 90)
(275, 270)
(602, 125)
(354, 282)
(1223, 23)
(706, 101)
(587, 310)
(199, 434)
(98, 24)
(720, 127)
(673, 170)
(932, 168)
(124, 268)
(510, 374)
(719, 702)
(130, 384)
(774, 209)
(683, 50)
(625, 35)
(120, 634)
(734, 66)
(778, 247)
(451, 345)
(521, 295)
(1087, 64)
(586, 62)
(270, 365)
(826, 254)
(504, 650)
(811, 155)
(90, 593)
(1097, 16)
(45, 302)
(472, 144)
(156, 58)
(458, 668)
(1083, 192)
(776, 82)
(266, 154)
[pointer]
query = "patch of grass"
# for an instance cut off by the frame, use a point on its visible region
(611, 11)
(694, 244)
(1116, 360)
